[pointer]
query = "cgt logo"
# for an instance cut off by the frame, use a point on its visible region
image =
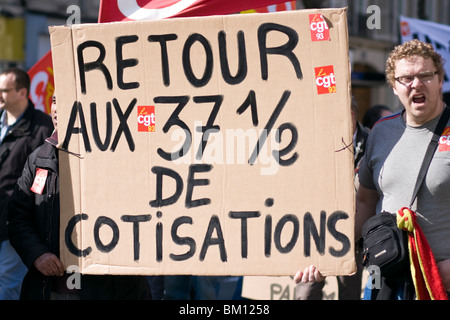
(325, 80)
(444, 141)
(319, 28)
(146, 118)
(39, 181)
(404, 28)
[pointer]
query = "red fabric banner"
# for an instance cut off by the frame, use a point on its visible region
(42, 83)
(126, 10)
(424, 270)
(286, 6)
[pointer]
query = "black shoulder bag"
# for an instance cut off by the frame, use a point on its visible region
(384, 244)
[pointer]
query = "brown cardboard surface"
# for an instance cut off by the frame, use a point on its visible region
(132, 95)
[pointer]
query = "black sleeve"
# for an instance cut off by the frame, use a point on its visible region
(23, 235)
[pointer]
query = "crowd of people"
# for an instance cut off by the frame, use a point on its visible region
(387, 151)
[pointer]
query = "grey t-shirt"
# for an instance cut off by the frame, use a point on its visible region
(394, 154)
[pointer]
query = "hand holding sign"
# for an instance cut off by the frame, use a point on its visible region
(49, 265)
(310, 274)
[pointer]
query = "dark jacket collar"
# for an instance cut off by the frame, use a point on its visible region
(22, 126)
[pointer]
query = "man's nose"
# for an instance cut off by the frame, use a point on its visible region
(416, 83)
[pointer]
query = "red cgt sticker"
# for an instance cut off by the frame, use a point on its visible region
(319, 27)
(325, 80)
(444, 141)
(39, 181)
(146, 118)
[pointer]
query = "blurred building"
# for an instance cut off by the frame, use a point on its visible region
(369, 47)
(24, 34)
(24, 26)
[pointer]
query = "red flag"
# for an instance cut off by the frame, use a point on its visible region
(127, 10)
(424, 270)
(286, 6)
(42, 83)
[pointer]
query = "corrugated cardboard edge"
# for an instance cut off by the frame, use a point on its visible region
(61, 38)
(341, 14)
(350, 265)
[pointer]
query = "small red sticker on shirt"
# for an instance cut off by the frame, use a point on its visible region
(319, 28)
(444, 141)
(39, 181)
(146, 118)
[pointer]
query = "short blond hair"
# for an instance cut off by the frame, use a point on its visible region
(409, 49)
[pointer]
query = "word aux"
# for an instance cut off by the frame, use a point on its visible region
(77, 113)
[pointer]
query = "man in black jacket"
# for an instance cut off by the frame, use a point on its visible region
(22, 130)
(34, 233)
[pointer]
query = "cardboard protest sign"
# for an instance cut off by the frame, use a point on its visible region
(216, 146)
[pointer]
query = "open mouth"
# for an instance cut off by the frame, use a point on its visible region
(420, 98)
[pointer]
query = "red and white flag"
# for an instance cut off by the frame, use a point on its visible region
(42, 83)
(128, 10)
(286, 6)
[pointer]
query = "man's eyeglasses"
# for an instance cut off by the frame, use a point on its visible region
(6, 90)
(423, 77)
